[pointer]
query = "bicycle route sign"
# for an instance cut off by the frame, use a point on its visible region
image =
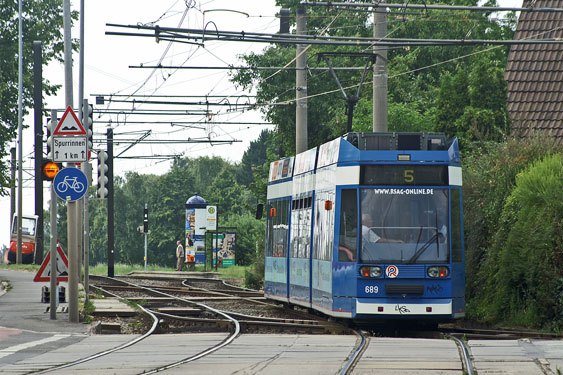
(70, 184)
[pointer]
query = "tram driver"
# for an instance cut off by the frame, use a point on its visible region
(368, 232)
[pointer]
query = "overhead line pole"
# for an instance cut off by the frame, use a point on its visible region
(38, 127)
(380, 73)
(85, 166)
(20, 134)
(301, 85)
(72, 207)
(54, 234)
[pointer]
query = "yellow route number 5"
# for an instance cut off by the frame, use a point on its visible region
(409, 175)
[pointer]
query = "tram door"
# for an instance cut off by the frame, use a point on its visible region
(29, 238)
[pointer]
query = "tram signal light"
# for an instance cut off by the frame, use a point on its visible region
(284, 21)
(50, 126)
(49, 170)
(89, 119)
(102, 190)
(146, 221)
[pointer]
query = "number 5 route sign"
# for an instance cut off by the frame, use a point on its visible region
(70, 184)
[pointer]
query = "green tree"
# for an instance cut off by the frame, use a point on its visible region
(472, 105)
(256, 155)
(250, 237)
(415, 76)
(42, 21)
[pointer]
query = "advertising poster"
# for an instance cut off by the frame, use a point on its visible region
(196, 219)
(190, 233)
(224, 249)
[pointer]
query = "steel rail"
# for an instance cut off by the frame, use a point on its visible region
(109, 351)
(203, 353)
(356, 354)
(466, 358)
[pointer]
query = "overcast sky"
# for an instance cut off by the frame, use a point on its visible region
(107, 61)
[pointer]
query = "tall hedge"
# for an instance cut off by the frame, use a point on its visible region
(514, 232)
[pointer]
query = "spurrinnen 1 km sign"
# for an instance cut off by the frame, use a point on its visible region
(69, 140)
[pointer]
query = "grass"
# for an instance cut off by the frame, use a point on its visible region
(123, 269)
(233, 272)
(21, 267)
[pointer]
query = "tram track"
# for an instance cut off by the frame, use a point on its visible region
(234, 332)
(235, 301)
(234, 323)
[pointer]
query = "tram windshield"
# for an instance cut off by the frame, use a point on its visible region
(406, 225)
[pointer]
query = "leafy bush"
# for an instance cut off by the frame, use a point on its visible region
(514, 232)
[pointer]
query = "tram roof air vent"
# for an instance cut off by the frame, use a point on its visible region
(397, 141)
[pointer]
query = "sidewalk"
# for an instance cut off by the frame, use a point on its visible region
(21, 307)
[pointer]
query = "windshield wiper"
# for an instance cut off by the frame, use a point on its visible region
(423, 248)
(442, 232)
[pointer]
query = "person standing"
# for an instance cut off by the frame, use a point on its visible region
(179, 256)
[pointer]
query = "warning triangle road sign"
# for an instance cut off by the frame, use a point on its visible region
(69, 124)
(44, 273)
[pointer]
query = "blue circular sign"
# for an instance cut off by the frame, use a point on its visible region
(70, 184)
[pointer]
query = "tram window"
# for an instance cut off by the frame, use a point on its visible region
(456, 226)
(347, 247)
(323, 240)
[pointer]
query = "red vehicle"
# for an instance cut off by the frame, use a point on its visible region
(29, 237)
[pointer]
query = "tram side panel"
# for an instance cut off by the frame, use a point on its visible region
(323, 243)
(278, 222)
(457, 243)
(302, 213)
(334, 267)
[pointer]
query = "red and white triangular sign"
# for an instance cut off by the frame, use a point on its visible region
(69, 125)
(44, 273)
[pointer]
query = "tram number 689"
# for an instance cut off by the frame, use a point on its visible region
(371, 289)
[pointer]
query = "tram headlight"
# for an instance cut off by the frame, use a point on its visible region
(438, 272)
(371, 271)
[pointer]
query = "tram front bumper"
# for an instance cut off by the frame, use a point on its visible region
(387, 306)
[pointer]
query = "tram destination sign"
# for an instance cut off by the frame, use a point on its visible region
(70, 149)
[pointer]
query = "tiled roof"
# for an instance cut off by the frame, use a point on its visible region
(534, 74)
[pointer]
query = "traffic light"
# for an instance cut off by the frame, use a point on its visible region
(49, 170)
(50, 126)
(146, 220)
(102, 190)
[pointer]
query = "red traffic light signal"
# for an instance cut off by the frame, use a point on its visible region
(49, 170)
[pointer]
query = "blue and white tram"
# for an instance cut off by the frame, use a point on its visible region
(369, 225)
